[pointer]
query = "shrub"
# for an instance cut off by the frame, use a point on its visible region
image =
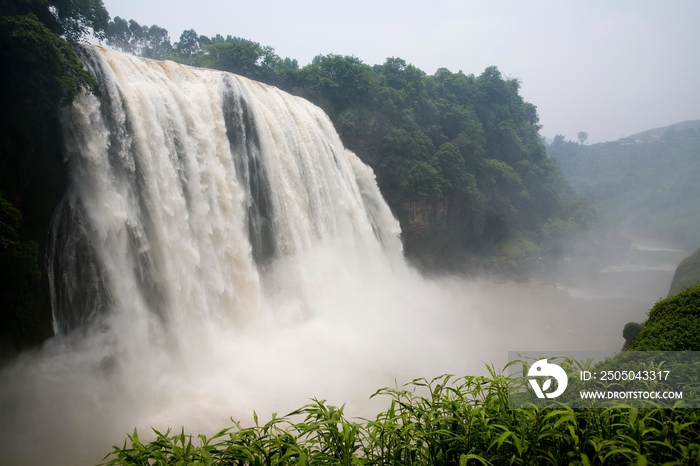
(673, 325)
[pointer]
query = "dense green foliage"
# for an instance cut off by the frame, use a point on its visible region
(41, 72)
(441, 422)
(647, 182)
(20, 278)
(465, 149)
(687, 274)
(673, 324)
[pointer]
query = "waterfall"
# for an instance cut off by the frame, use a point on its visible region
(189, 186)
(217, 252)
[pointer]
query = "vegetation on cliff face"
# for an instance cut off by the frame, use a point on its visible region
(457, 156)
(646, 182)
(673, 324)
(41, 72)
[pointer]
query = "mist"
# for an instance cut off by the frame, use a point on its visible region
(339, 333)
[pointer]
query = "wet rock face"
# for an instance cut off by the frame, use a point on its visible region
(418, 217)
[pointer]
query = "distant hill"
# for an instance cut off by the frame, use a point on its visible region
(647, 183)
(687, 274)
(650, 134)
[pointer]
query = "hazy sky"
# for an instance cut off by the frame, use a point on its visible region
(608, 68)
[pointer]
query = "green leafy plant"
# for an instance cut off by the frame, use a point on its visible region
(443, 421)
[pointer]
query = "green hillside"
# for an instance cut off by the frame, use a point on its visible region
(647, 183)
(673, 324)
(654, 133)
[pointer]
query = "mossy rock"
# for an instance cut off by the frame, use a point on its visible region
(687, 274)
(673, 325)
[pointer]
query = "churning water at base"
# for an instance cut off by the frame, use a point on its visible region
(219, 251)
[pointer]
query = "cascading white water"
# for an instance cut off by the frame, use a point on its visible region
(188, 185)
(218, 252)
